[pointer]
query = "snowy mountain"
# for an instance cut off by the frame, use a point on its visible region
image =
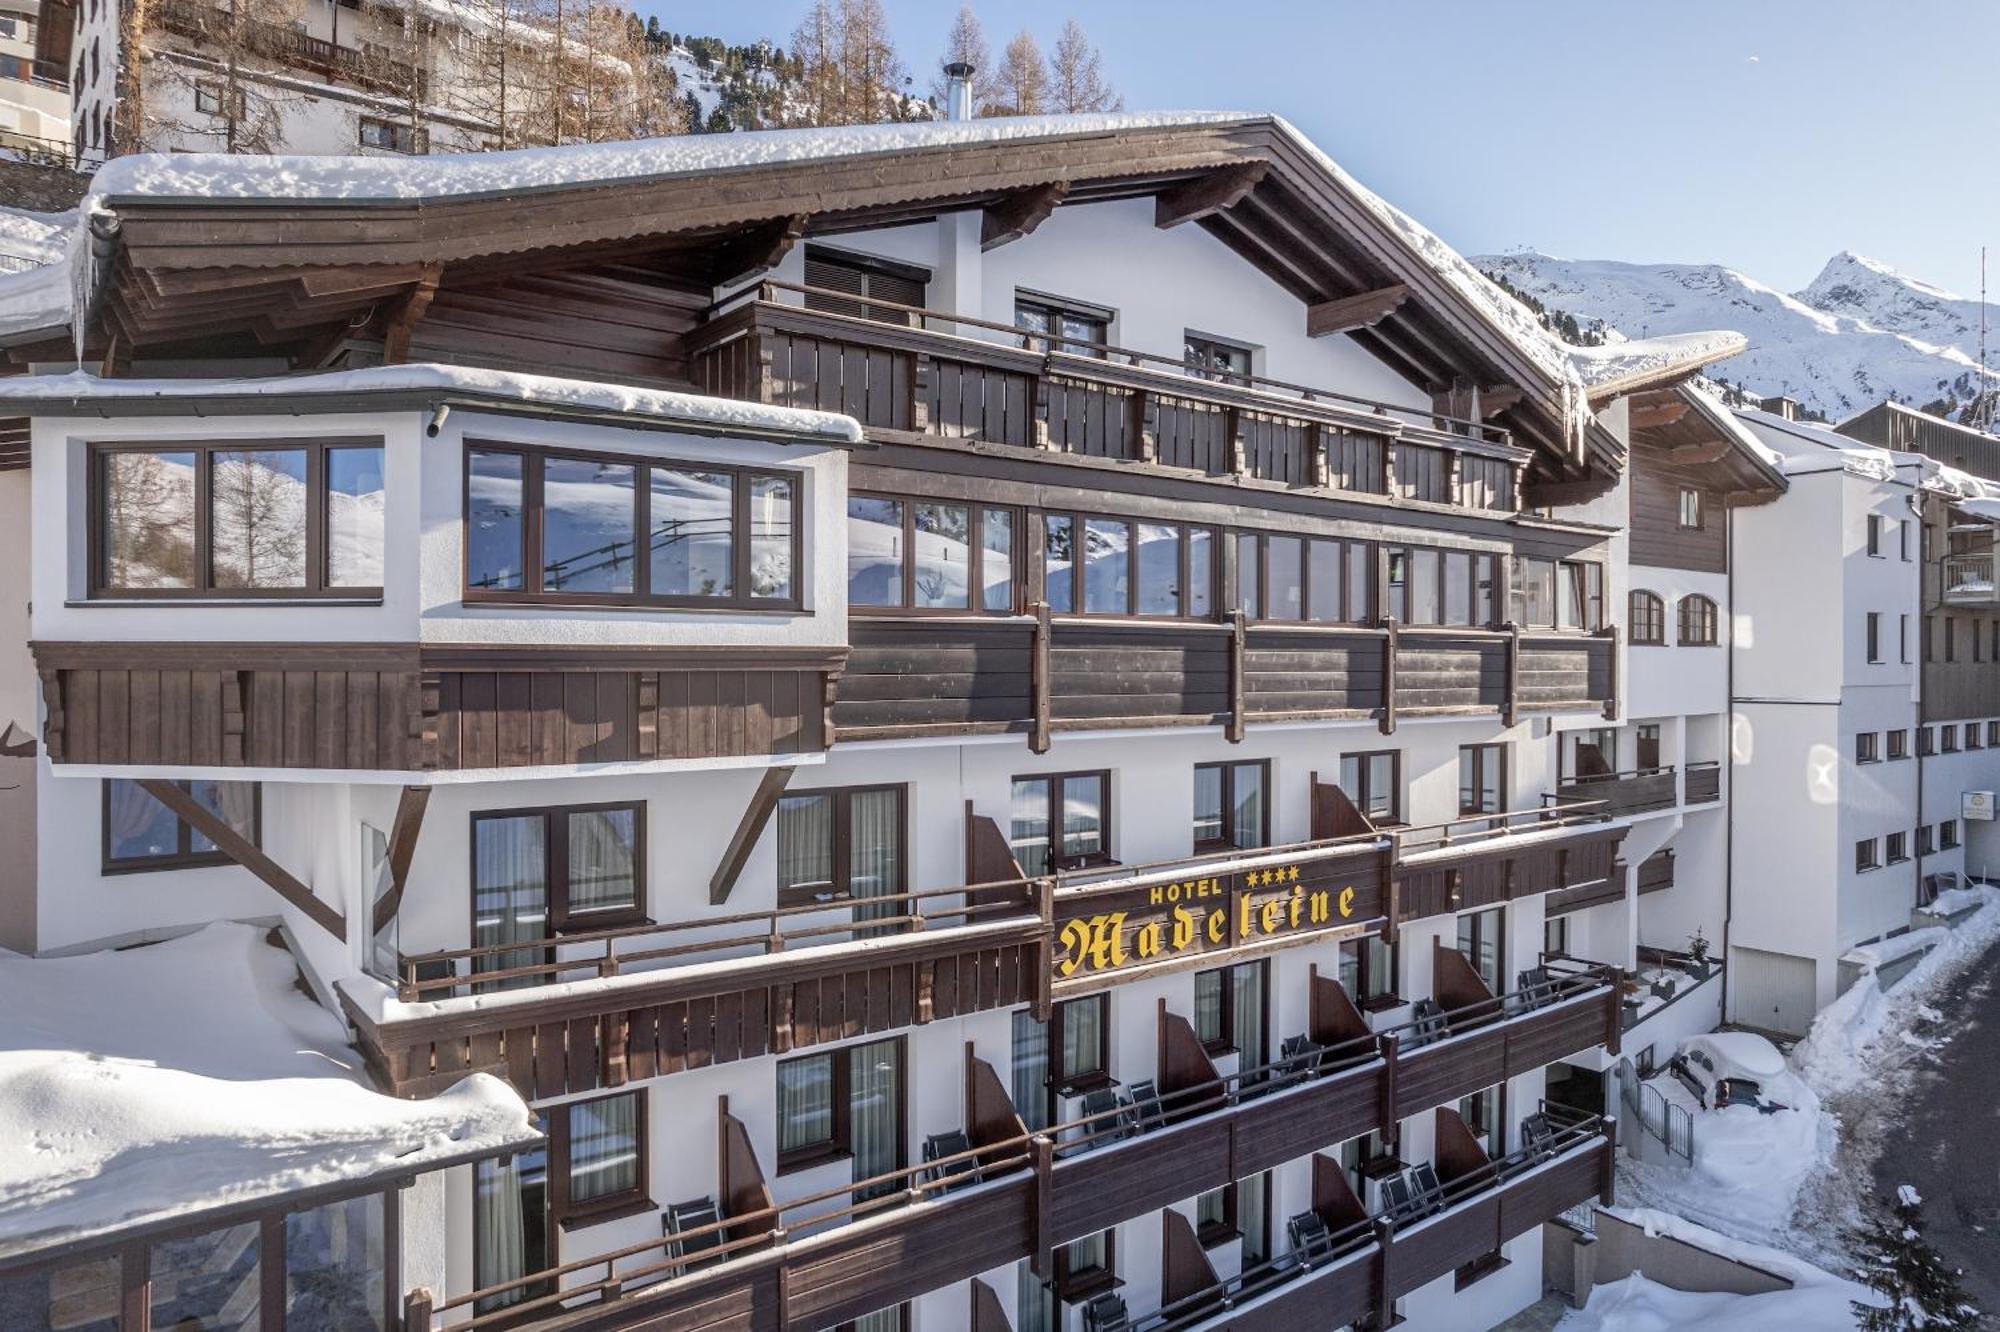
(1861, 332)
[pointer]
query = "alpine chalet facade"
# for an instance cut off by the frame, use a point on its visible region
(1014, 725)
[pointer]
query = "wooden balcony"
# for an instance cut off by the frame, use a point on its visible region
(1967, 580)
(1703, 783)
(1011, 1194)
(1035, 675)
(219, 26)
(1640, 791)
(1656, 872)
(428, 708)
(663, 998)
(926, 374)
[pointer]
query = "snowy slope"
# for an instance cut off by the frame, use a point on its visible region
(1873, 338)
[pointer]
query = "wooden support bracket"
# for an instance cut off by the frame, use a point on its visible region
(1019, 213)
(763, 803)
(245, 853)
(1354, 312)
(1205, 195)
(403, 833)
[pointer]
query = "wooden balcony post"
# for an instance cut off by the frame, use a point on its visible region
(1042, 1156)
(417, 1310)
(1389, 676)
(1392, 914)
(1614, 1017)
(1045, 949)
(1607, 1164)
(1510, 707)
(1238, 655)
(1611, 702)
(1384, 1302)
(1039, 686)
(1385, 1114)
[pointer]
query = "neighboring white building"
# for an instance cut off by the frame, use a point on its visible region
(34, 103)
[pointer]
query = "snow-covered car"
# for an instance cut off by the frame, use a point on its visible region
(1729, 1068)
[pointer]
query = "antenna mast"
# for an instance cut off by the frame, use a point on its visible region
(1982, 410)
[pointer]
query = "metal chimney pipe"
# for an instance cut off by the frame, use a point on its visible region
(958, 91)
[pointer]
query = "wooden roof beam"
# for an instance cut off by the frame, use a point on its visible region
(757, 252)
(402, 319)
(1208, 194)
(1497, 398)
(1657, 413)
(1362, 310)
(1018, 214)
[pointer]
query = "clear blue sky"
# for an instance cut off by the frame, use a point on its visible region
(1766, 135)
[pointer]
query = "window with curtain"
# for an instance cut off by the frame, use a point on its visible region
(1028, 1070)
(1698, 621)
(843, 1104)
(839, 844)
(1373, 781)
(1061, 821)
(599, 1152)
(1647, 616)
(1484, 1113)
(140, 833)
(1083, 1051)
(602, 528)
(536, 872)
(1086, 1266)
(1231, 810)
(1253, 1217)
(225, 520)
(1368, 970)
(1230, 1012)
(1480, 941)
(510, 1226)
(1482, 779)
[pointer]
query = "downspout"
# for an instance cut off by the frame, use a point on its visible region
(1923, 558)
(1728, 751)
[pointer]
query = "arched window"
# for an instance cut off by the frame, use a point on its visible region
(1697, 621)
(1647, 617)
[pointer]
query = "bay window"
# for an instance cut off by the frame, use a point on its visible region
(1441, 587)
(914, 554)
(1119, 566)
(603, 529)
(241, 519)
(1315, 579)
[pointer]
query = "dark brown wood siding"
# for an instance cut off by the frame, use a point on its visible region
(1656, 537)
(596, 324)
(399, 708)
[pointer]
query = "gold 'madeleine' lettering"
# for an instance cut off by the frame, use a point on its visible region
(1093, 943)
(1097, 943)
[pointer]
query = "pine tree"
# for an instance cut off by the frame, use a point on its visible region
(1076, 75)
(1023, 78)
(1923, 1294)
(966, 44)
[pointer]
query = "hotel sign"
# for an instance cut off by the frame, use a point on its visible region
(1099, 932)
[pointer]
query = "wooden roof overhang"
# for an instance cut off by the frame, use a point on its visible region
(1688, 435)
(296, 272)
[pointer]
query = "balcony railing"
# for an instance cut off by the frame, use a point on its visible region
(274, 41)
(1639, 791)
(932, 373)
(1656, 872)
(1968, 580)
(656, 999)
(1703, 782)
(1013, 1194)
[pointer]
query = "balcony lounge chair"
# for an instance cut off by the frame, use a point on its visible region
(1147, 1112)
(1106, 1313)
(681, 1217)
(1311, 1241)
(951, 1174)
(1427, 1024)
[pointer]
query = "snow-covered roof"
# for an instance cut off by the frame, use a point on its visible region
(1804, 447)
(142, 1085)
(34, 238)
(1612, 368)
(52, 395)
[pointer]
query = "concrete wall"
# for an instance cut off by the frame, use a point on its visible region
(1574, 1263)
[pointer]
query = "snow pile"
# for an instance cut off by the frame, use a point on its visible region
(1819, 1301)
(33, 238)
(1749, 1166)
(1837, 1053)
(154, 1082)
(50, 393)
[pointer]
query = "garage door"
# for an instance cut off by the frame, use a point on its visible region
(1771, 991)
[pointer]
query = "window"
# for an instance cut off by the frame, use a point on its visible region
(1555, 936)
(1029, 1080)
(1648, 618)
(1925, 745)
(140, 833)
(210, 100)
(1087, 1266)
(863, 286)
(1061, 822)
(377, 133)
(510, 1226)
(1690, 507)
(1482, 779)
(1581, 585)
(1926, 839)
(568, 528)
(1440, 587)
(1213, 358)
(1993, 735)
(1231, 805)
(244, 519)
(1534, 592)
(1368, 971)
(537, 872)
(1118, 566)
(1697, 621)
(1081, 1058)
(1948, 835)
(1930, 639)
(1903, 638)
(1374, 783)
(1055, 324)
(1972, 740)
(1304, 578)
(1231, 1011)
(1865, 747)
(843, 1105)
(1950, 638)
(925, 555)
(1874, 536)
(598, 1152)
(1241, 1210)
(1903, 539)
(1873, 625)
(1480, 941)
(1646, 746)
(1896, 845)
(1947, 739)
(1484, 1112)
(847, 843)
(1899, 744)
(1593, 752)
(1865, 855)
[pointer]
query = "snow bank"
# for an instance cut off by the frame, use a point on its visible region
(50, 392)
(1835, 1054)
(155, 1082)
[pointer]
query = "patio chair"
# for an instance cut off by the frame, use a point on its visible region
(1427, 1195)
(1147, 1112)
(1538, 1135)
(1427, 1024)
(681, 1217)
(1111, 1128)
(1106, 1313)
(951, 1174)
(1311, 1241)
